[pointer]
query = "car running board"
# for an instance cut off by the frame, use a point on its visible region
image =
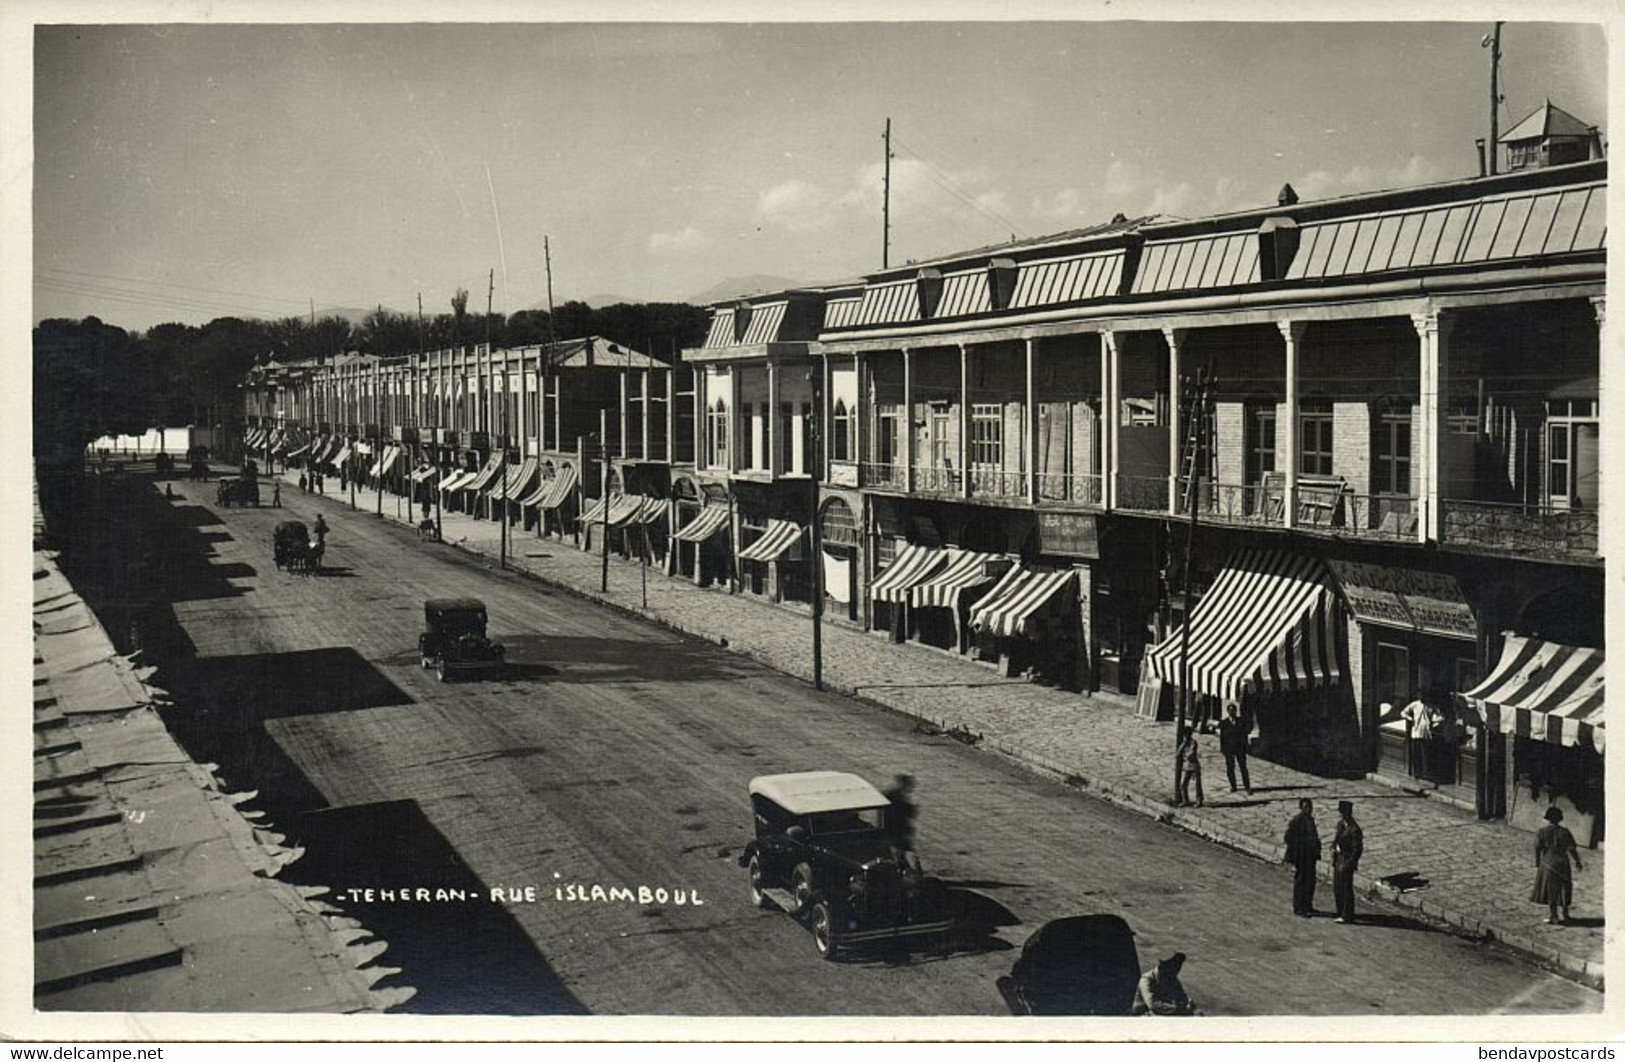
(782, 897)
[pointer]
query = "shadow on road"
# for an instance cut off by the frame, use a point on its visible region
(462, 955)
(1391, 921)
(618, 659)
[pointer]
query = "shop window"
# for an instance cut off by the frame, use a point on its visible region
(1393, 674)
(987, 435)
(1391, 473)
(1260, 442)
(1315, 441)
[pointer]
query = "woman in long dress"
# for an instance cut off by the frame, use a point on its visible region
(1554, 882)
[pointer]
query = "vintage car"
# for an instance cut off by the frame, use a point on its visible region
(823, 853)
(453, 641)
(1084, 965)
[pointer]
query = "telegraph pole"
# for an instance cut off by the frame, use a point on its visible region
(1493, 43)
(603, 494)
(885, 205)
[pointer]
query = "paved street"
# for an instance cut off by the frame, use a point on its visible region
(616, 752)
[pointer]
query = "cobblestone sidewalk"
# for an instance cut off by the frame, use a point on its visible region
(1479, 873)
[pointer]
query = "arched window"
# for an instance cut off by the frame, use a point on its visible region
(839, 526)
(716, 435)
(840, 443)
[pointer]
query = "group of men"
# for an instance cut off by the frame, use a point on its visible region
(1303, 852)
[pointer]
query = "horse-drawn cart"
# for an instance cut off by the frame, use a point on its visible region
(293, 550)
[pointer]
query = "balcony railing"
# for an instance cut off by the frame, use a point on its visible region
(938, 481)
(1537, 530)
(1231, 503)
(1080, 489)
(886, 476)
(1390, 517)
(997, 483)
(1147, 494)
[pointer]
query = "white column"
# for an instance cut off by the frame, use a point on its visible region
(964, 419)
(1292, 333)
(737, 431)
(1433, 335)
(775, 461)
(863, 412)
(823, 423)
(907, 420)
(1175, 338)
(643, 384)
(624, 399)
(1110, 410)
(1029, 422)
(671, 418)
(701, 427)
(1604, 416)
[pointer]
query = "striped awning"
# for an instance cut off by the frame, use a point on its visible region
(391, 455)
(517, 484)
(552, 493)
(493, 465)
(1541, 690)
(251, 441)
(342, 455)
(914, 565)
(779, 536)
(623, 508)
(703, 526)
(1267, 624)
(594, 513)
(965, 571)
(423, 472)
(457, 480)
(646, 511)
(1008, 608)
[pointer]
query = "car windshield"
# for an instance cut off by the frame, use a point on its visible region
(459, 622)
(847, 820)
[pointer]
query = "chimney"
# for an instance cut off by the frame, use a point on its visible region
(1481, 164)
(1287, 196)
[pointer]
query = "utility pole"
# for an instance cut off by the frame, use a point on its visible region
(885, 206)
(1195, 446)
(603, 494)
(1493, 42)
(378, 420)
(502, 440)
(547, 362)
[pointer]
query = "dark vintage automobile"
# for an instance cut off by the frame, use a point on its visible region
(1085, 965)
(453, 641)
(237, 490)
(823, 853)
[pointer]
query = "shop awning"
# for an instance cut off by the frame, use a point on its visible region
(595, 512)
(484, 476)
(518, 482)
(965, 571)
(1265, 625)
(1541, 690)
(391, 455)
(458, 480)
(1007, 609)
(636, 509)
(423, 472)
(914, 565)
(1429, 602)
(300, 451)
(779, 536)
(342, 455)
(652, 512)
(552, 493)
(709, 522)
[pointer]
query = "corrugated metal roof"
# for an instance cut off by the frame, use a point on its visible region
(1530, 225)
(1072, 279)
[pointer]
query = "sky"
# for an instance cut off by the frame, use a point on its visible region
(185, 172)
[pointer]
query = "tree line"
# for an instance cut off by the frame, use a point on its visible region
(93, 379)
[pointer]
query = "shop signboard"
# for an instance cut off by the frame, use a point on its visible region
(1429, 602)
(1068, 535)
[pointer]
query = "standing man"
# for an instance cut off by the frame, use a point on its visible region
(1233, 732)
(1347, 847)
(1420, 719)
(1190, 770)
(900, 819)
(1303, 852)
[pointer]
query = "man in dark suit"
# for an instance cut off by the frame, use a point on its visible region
(1347, 848)
(1233, 731)
(1303, 852)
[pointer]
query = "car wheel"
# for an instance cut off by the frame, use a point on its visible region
(801, 888)
(757, 896)
(440, 671)
(425, 661)
(823, 929)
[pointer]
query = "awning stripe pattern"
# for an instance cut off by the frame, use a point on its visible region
(594, 513)
(493, 465)
(424, 472)
(1007, 610)
(965, 571)
(703, 526)
(914, 565)
(457, 480)
(518, 481)
(779, 536)
(1542, 690)
(554, 492)
(1266, 624)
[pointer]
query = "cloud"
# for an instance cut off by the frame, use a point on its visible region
(795, 205)
(677, 242)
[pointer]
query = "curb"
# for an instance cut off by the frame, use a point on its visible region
(1442, 917)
